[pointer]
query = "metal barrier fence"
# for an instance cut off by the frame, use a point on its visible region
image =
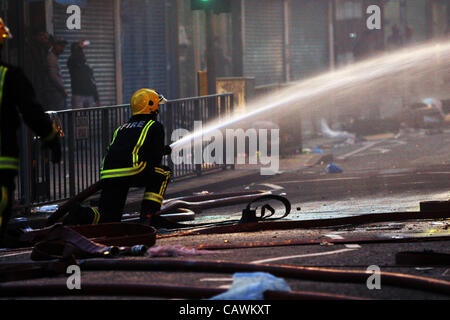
(86, 135)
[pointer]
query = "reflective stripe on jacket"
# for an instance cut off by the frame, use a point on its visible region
(136, 145)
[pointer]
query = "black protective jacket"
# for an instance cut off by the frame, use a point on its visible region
(136, 146)
(82, 77)
(18, 101)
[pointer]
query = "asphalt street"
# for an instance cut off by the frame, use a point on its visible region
(390, 175)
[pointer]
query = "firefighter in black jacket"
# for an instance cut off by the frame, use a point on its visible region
(133, 159)
(17, 98)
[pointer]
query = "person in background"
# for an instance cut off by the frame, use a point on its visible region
(395, 40)
(84, 88)
(409, 34)
(55, 92)
(40, 47)
(223, 62)
(366, 46)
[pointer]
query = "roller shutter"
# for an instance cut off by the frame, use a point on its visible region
(263, 36)
(97, 26)
(144, 58)
(308, 38)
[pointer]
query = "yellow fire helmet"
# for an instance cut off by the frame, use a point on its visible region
(146, 101)
(4, 32)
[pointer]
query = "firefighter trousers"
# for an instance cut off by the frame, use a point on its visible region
(7, 187)
(114, 196)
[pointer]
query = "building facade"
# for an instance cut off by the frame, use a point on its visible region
(163, 43)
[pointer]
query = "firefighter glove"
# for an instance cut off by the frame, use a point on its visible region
(167, 150)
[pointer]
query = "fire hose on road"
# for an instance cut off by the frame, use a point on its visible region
(150, 290)
(194, 204)
(356, 240)
(286, 271)
(190, 203)
(314, 223)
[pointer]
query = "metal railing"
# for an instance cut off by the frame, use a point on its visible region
(86, 135)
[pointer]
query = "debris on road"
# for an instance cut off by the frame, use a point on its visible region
(251, 286)
(175, 251)
(332, 168)
(343, 135)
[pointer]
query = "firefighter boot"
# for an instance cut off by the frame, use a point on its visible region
(79, 215)
(148, 210)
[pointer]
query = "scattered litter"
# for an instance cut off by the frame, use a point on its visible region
(44, 209)
(251, 286)
(426, 269)
(175, 251)
(326, 131)
(332, 168)
(432, 102)
(202, 193)
(399, 237)
(385, 227)
(326, 243)
(318, 150)
(20, 219)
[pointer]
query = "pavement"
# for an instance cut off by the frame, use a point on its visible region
(381, 174)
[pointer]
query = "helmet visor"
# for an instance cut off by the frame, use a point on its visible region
(162, 100)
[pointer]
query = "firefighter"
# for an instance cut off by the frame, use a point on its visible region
(17, 99)
(133, 159)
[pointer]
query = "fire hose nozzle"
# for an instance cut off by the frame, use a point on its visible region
(136, 251)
